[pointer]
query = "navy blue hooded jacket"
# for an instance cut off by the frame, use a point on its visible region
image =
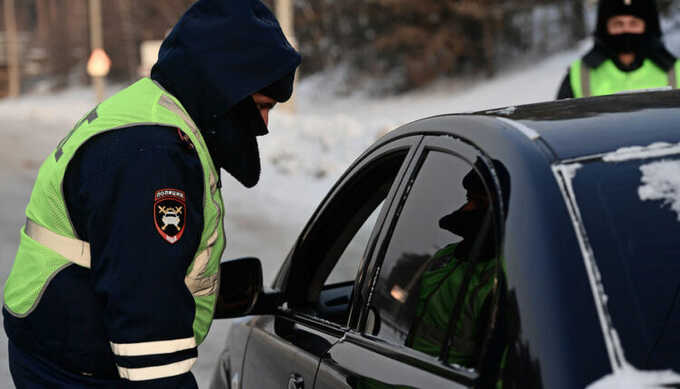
(254, 56)
(219, 53)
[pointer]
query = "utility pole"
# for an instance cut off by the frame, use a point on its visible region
(12, 43)
(128, 38)
(97, 42)
(285, 15)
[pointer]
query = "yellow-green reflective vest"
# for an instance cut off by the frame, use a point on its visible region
(439, 289)
(608, 79)
(48, 240)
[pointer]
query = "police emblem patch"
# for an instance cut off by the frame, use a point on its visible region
(169, 213)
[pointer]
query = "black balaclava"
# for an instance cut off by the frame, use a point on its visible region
(218, 55)
(646, 45)
(643, 9)
(468, 224)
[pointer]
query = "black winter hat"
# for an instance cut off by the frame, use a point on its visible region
(643, 9)
(282, 89)
(473, 182)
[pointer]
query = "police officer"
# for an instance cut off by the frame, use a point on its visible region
(116, 276)
(628, 53)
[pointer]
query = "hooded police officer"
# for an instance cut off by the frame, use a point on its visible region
(115, 280)
(628, 53)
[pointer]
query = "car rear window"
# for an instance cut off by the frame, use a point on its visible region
(631, 213)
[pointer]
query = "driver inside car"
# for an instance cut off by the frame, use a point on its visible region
(453, 290)
(457, 286)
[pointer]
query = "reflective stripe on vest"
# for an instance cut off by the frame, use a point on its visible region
(152, 348)
(155, 372)
(649, 76)
(585, 80)
(673, 78)
(78, 252)
(75, 250)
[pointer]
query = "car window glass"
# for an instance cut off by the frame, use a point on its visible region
(348, 264)
(439, 270)
(327, 263)
(631, 213)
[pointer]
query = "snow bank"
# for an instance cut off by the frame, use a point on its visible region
(661, 182)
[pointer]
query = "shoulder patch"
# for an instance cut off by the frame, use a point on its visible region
(169, 214)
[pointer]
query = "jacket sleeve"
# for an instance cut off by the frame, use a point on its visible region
(565, 91)
(137, 269)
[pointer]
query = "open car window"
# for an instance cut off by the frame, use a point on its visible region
(346, 267)
(326, 263)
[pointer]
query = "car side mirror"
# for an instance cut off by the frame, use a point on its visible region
(241, 291)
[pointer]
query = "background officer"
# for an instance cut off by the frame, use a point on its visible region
(628, 53)
(116, 277)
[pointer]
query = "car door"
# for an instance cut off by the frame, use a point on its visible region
(433, 292)
(321, 274)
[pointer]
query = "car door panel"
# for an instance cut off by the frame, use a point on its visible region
(349, 364)
(280, 348)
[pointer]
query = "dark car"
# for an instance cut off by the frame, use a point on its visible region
(526, 247)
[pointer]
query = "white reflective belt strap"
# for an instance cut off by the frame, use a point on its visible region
(673, 78)
(152, 348)
(199, 284)
(155, 372)
(585, 80)
(75, 250)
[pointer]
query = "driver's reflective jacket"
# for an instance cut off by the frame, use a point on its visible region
(608, 79)
(49, 243)
(439, 290)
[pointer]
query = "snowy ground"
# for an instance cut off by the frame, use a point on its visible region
(303, 155)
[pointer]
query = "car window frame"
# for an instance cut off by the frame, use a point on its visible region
(438, 142)
(408, 143)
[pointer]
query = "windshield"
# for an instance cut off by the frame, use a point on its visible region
(631, 212)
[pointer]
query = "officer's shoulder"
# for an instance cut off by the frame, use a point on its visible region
(141, 138)
(143, 148)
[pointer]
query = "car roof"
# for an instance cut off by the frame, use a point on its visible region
(574, 128)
